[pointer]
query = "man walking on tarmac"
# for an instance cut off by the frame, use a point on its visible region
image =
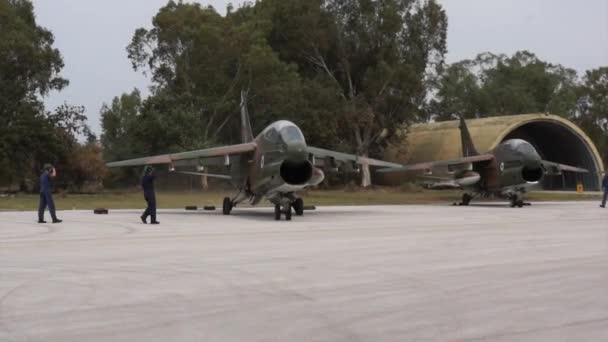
(605, 188)
(147, 184)
(46, 194)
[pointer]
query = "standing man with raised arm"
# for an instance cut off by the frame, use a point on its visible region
(147, 184)
(46, 194)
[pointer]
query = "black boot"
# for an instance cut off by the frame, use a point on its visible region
(143, 219)
(41, 221)
(153, 218)
(56, 220)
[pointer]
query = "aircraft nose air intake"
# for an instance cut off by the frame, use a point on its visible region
(532, 174)
(296, 172)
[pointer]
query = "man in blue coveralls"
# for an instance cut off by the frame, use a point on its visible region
(147, 184)
(46, 194)
(605, 188)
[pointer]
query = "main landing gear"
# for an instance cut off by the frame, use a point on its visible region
(298, 206)
(466, 199)
(227, 206)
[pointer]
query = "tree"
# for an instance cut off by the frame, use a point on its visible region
(376, 54)
(500, 85)
(199, 62)
(29, 69)
(119, 122)
(85, 166)
(347, 71)
(592, 108)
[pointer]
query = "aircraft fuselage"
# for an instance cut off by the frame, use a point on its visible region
(279, 166)
(516, 166)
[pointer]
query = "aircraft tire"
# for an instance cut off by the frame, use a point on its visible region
(513, 202)
(520, 204)
(298, 206)
(227, 206)
(288, 214)
(466, 199)
(277, 212)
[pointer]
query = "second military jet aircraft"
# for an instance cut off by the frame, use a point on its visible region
(506, 171)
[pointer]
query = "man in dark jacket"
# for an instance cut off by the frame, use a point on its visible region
(147, 184)
(605, 188)
(46, 194)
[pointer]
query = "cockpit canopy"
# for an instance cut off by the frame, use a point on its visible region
(284, 131)
(522, 147)
(291, 133)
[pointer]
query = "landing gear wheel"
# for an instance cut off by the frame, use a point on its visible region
(288, 213)
(277, 212)
(520, 204)
(466, 199)
(227, 206)
(298, 206)
(514, 201)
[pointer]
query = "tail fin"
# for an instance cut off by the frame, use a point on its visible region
(468, 148)
(246, 132)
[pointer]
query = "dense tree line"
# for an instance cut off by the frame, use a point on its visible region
(29, 134)
(351, 73)
(491, 85)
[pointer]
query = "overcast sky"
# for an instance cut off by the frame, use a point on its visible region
(92, 36)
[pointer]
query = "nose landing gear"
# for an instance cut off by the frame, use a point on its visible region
(278, 210)
(515, 201)
(285, 206)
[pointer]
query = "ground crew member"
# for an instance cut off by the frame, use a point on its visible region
(605, 188)
(147, 184)
(46, 194)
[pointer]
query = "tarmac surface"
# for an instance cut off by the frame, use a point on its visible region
(381, 273)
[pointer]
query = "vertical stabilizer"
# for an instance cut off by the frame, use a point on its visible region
(468, 148)
(246, 132)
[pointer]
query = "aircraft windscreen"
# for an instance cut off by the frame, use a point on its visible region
(523, 147)
(291, 133)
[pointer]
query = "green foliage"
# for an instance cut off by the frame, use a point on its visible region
(29, 68)
(501, 85)
(592, 108)
(29, 135)
(348, 72)
(376, 54)
(199, 62)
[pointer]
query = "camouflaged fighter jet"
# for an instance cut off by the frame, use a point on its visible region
(275, 165)
(506, 172)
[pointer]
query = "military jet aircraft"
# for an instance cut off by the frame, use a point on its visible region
(275, 165)
(507, 171)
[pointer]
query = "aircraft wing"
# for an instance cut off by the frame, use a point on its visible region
(552, 168)
(210, 153)
(453, 163)
(334, 156)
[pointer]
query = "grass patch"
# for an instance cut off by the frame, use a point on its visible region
(177, 200)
